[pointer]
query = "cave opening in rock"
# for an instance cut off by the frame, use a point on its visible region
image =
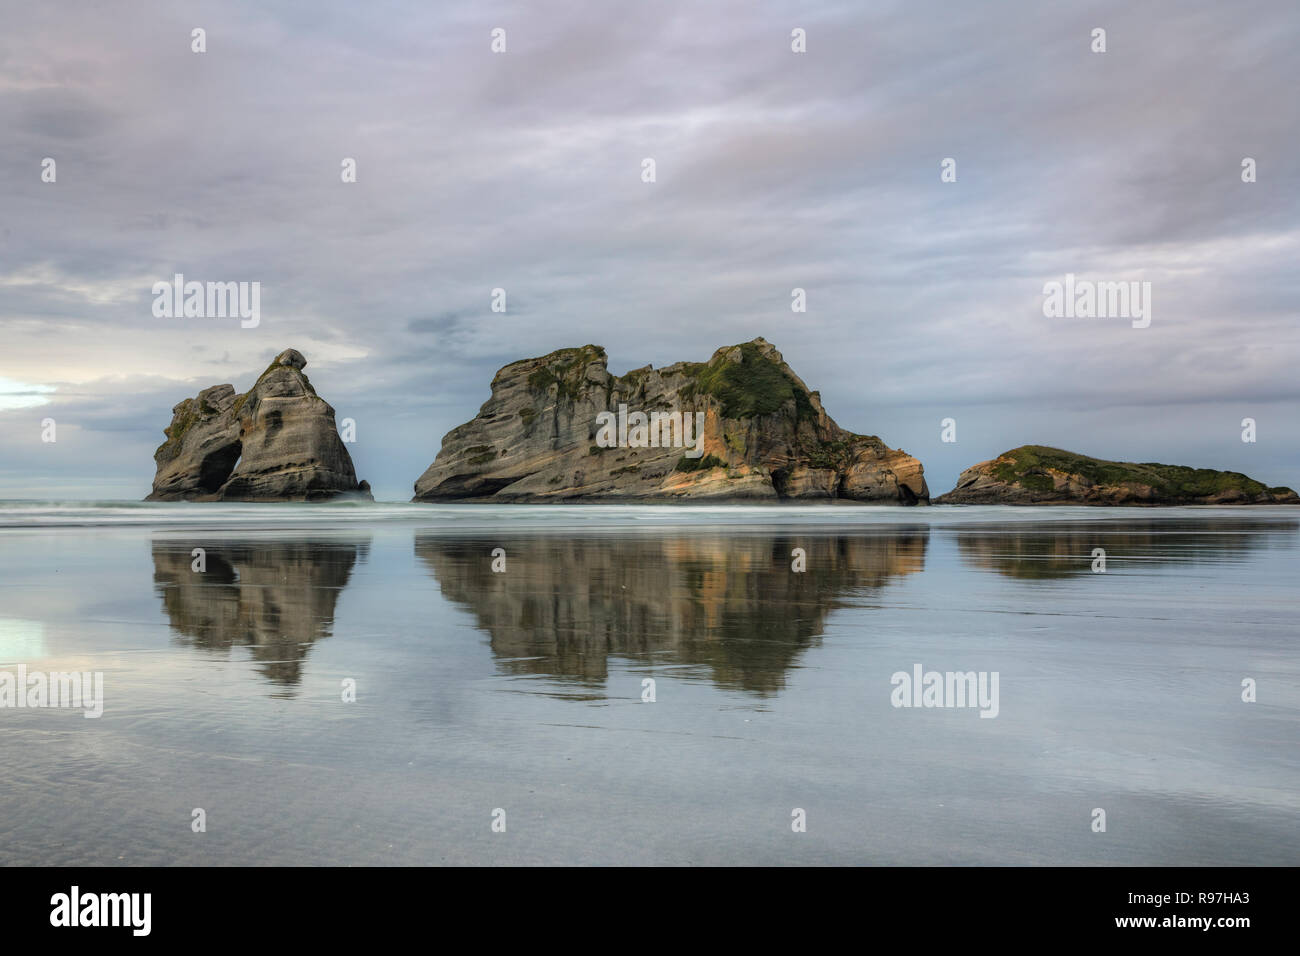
(780, 482)
(217, 468)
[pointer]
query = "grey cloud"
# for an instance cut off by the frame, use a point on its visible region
(775, 171)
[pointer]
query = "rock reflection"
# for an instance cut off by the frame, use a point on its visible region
(274, 596)
(729, 603)
(1050, 550)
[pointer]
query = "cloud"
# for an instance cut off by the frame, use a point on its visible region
(775, 170)
(15, 395)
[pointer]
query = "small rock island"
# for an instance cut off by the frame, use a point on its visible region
(276, 442)
(562, 428)
(1038, 475)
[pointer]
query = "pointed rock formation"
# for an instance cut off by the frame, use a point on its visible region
(1038, 475)
(765, 436)
(276, 442)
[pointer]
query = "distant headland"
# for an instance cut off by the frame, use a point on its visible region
(1038, 475)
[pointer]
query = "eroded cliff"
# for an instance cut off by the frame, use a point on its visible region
(742, 425)
(276, 442)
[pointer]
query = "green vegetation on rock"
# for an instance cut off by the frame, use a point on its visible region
(480, 454)
(175, 432)
(566, 370)
(831, 454)
(1029, 465)
(753, 386)
(699, 464)
(306, 383)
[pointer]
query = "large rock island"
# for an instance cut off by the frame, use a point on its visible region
(562, 428)
(275, 442)
(1038, 475)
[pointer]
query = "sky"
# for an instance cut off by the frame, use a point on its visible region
(774, 170)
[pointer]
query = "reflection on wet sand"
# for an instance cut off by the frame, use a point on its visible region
(728, 602)
(276, 597)
(1048, 550)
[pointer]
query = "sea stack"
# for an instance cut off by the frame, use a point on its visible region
(276, 442)
(1039, 475)
(742, 426)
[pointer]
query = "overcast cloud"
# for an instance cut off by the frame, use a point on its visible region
(775, 170)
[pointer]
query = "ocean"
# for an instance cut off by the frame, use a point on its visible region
(361, 684)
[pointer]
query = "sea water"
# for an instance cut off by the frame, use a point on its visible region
(359, 684)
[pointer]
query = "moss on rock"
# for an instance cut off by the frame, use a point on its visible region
(754, 386)
(1031, 465)
(699, 464)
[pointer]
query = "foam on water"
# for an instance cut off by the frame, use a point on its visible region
(33, 514)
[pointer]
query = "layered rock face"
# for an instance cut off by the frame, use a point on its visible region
(276, 442)
(1036, 474)
(762, 434)
(202, 447)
